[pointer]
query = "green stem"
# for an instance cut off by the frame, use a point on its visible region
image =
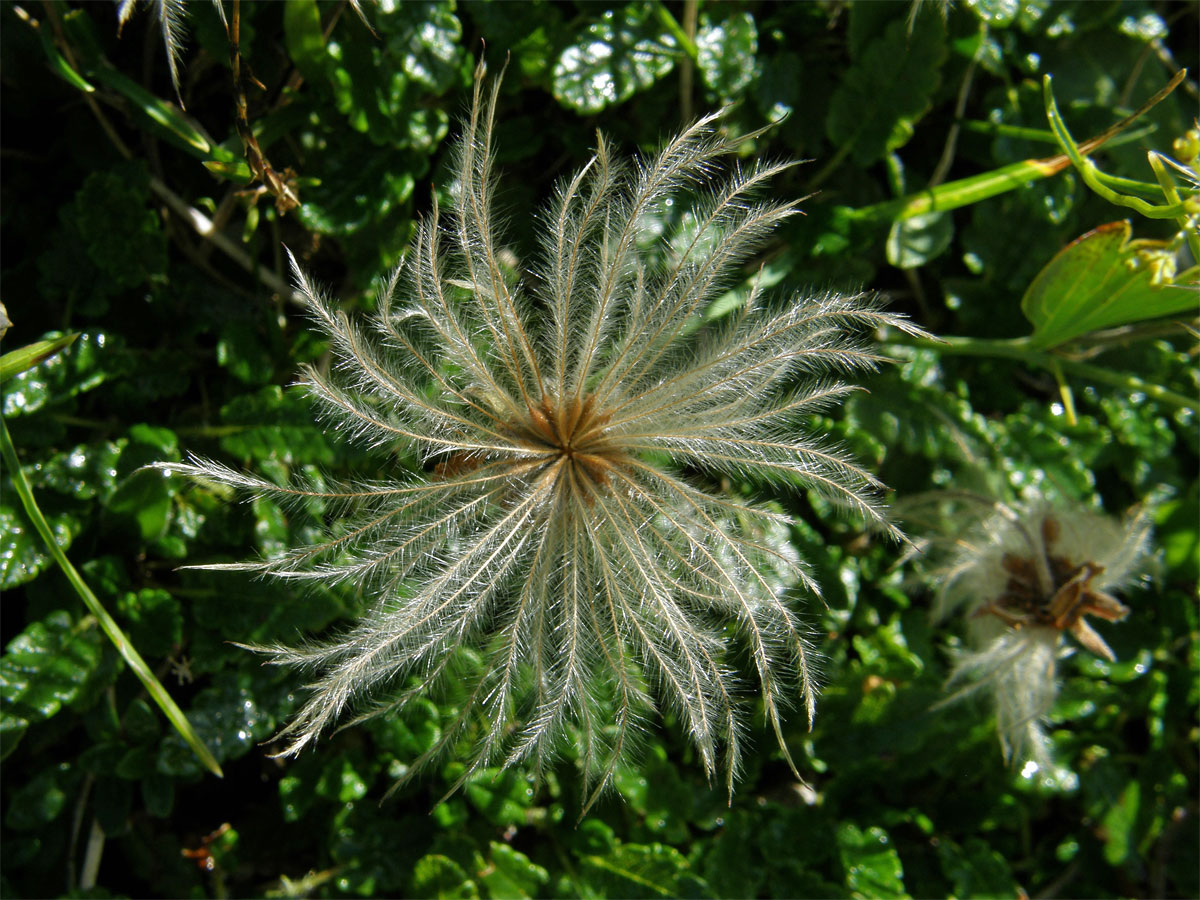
(677, 32)
(1167, 185)
(132, 658)
(1088, 171)
(1021, 349)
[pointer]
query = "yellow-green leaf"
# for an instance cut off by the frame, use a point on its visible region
(1099, 281)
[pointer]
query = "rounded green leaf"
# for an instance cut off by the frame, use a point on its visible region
(726, 53)
(626, 51)
(914, 241)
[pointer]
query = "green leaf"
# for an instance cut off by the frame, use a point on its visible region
(305, 40)
(245, 352)
(726, 53)
(275, 424)
(81, 473)
(342, 782)
(40, 800)
(23, 555)
(976, 869)
(426, 36)
(1096, 282)
(144, 498)
(995, 13)
(50, 663)
(637, 870)
(503, 796)
(626, 51)
(79, 368)
(1119, 824)
(228, 718)
(439, 876)
(872, 865)
(166, 119)
(123, 236)
(915, 241)
(888, 89)
(156, 621)
(511, 873)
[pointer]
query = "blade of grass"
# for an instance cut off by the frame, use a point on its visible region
(17, 361)
(134, 659)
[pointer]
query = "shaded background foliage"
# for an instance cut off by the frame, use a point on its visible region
(182, 348)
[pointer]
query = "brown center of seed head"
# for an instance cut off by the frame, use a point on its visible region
(1064, 602)
(571, 431)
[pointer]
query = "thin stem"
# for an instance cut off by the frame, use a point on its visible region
(132, 658)
(1088, 171)
(686, 43)
(1021, 349)
(204, 227)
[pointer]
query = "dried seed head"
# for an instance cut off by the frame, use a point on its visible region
(555, 533)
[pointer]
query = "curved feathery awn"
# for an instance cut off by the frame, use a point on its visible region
(555, 531)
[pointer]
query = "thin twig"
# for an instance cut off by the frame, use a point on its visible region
(204, 227)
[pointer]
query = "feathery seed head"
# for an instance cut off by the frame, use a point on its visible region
(556, 529)
(1025, 576)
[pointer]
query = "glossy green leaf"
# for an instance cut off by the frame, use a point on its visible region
(227, 717)
(873, 867)
(83, 472)
(425, 35)
(510, 873)
(995, 13)
(23, 556)
(914, 241)
(50, 663)
(726, 51)
(1097, 282)
(79, 368)
(143, 499)
(626, 51)
(636, 870)
(889, 87)
(111, 630)
(441, 877)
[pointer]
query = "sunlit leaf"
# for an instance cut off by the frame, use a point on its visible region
(47, 665)
(873, 867)
(726, 51)
(1098, 281)
(626, 51)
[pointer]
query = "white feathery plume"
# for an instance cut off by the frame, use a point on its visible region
(561, 528)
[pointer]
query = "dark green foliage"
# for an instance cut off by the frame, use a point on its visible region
(183, 349)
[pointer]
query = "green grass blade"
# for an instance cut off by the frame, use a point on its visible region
(107, 623)
(17, 361)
